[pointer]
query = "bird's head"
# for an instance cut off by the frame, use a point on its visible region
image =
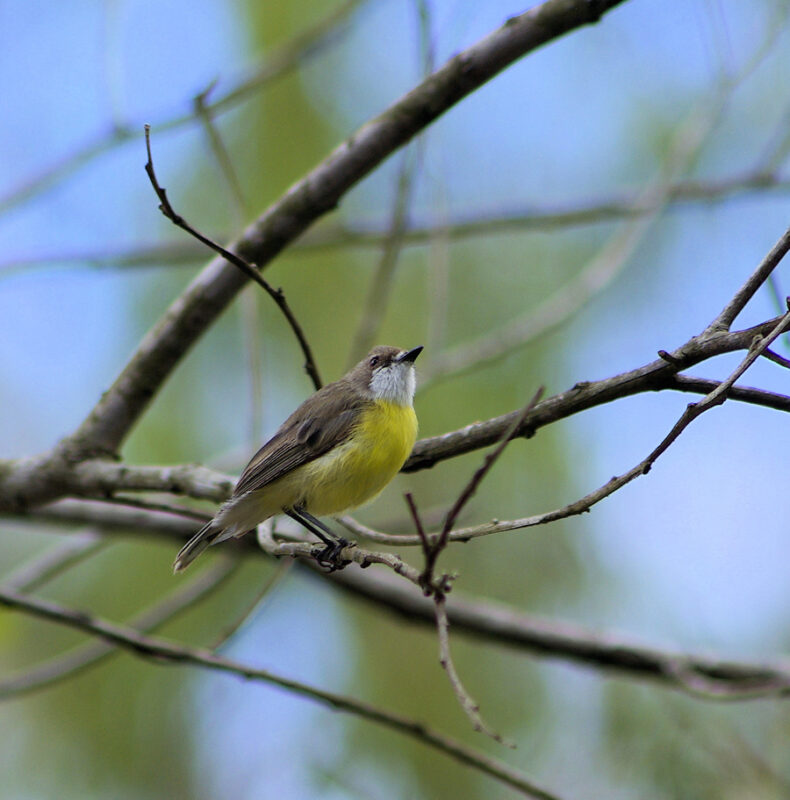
(387, 373)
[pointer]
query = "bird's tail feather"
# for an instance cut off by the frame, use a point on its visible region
(205, 537)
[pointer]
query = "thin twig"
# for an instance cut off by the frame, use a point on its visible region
(248, 269)
(80, 658)
(468, 705)
(719, 394)
(305, 550)
(422, 536)
(727, 678)
(53, 561)
(433, 545)
(488, 462)
(728, 314)
(269, 585)
(291, 55)
(776, 358)
(164, 651)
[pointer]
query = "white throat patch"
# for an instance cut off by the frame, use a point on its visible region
(395, 383)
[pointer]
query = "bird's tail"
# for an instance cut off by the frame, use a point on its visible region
(205, 537)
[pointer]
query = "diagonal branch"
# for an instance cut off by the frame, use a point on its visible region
(310, 198)
(484, 620)
(657, 375)
(289, 56)
(755, 281)
(248, 269)
(75, 661)
(167, 652)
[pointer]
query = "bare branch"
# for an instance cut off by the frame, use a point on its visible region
(715, 397)
(358, 235)
(723, 678)
(80, 658)
(776, 358)
(488, 462)
(485, 620)
(30, 481)
(309, 199)
(469, 706)
(52, 562)
(168, 652)
(247, 268)
(354, 554)
(728, 314)
(743, 394)
(292, 55)
(657, 375)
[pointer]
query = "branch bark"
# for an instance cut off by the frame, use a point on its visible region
(487, 621)
(169, 652)
(27, 482)
(318, 192)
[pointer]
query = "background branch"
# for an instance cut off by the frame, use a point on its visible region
(484, 620)
(288, 57)
(310, 198)
(166, 652)
(356, 234)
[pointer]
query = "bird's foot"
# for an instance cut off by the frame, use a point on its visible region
(330, 556)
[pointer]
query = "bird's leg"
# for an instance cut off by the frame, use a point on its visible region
(330, 555)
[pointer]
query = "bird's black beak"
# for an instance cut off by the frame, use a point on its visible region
(410, 355)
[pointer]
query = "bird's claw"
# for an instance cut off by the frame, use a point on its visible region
(329, 556)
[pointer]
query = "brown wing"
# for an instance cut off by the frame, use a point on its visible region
(322, 422)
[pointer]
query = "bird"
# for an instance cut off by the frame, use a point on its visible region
(335, 452)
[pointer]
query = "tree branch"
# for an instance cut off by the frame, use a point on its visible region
(357, 234)
(655, 376)
(728, 314)
(31, 481)
(168, 652)
(310, 198)
(289, 56)
(482, 619)
(82, 657)
(245, 267)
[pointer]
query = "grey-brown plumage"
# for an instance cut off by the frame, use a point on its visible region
(323, 422)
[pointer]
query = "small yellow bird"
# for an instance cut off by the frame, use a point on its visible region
(338, 450)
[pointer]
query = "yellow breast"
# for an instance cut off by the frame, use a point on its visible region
(361, 467)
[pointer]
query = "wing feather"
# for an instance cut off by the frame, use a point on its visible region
(322, 422)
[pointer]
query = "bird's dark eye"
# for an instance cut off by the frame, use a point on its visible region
(374, 360)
